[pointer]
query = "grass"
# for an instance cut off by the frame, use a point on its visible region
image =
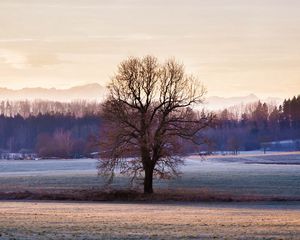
(215, 199)
(57, 220)
(222, 178)
(132, 195)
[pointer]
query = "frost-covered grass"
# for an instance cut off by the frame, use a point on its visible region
(276, 174)
(251, 175)
(54, 220)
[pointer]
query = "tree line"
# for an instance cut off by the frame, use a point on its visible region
(54, 129)
(249, 127)
(26, 108)
(50, 134)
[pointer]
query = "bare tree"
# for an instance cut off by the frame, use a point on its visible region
(147, 116)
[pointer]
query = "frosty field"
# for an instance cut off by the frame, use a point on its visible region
(57, 220)
(257, 174)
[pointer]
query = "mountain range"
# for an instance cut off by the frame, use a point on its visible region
(217, 103)
(97, 92)
(88, 92)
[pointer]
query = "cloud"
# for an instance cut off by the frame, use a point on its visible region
(41, 60)
(14, 59)
(21, 61)
(10, 40)
(140, 37)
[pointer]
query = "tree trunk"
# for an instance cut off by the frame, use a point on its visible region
(148, 181)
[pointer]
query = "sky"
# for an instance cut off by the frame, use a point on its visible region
(235, 47)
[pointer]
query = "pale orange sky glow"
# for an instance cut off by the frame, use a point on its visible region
(235, 47)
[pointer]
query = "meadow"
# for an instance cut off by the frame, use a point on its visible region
(66, 220)
(275, 174)
(178, 217)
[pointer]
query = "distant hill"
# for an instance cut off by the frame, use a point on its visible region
(95, 91)
(88, 92)
(216, 103)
